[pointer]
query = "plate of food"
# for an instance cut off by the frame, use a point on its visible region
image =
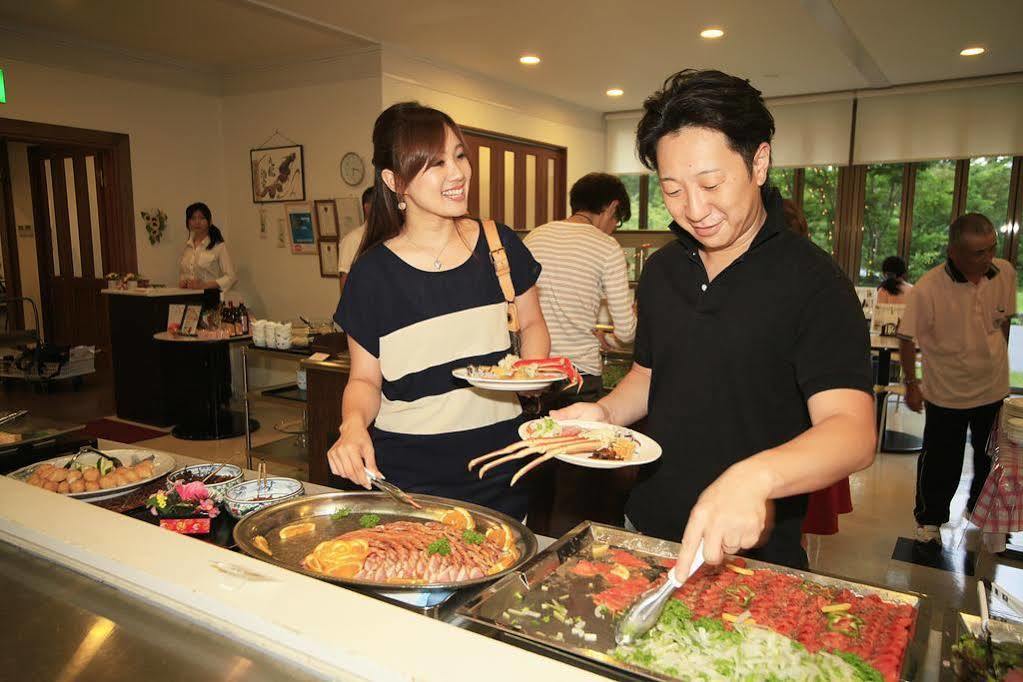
(93, 477)
(514, 374)
(369, 540)
(588, 444)
(618, 446)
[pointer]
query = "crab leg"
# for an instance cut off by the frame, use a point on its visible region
(551, 454)
(541, 449)
(529, 442)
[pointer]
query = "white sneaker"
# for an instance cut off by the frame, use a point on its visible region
(928, 534)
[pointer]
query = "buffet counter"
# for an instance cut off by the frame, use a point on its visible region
(228, 605)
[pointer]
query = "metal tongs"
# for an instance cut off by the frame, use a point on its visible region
(88, 448)
(644, 614)
(13, 416)
(391, 489)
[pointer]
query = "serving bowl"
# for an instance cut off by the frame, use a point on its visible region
(241, 498)
(231, 473)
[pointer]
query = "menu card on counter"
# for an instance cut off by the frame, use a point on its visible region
(887, 317)
(175, 315)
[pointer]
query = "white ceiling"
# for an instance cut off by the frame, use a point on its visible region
(785, 47)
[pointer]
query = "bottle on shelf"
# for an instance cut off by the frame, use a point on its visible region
(243, 319)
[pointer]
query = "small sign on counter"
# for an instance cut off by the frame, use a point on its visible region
(318, 357)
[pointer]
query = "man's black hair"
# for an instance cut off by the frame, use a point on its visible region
(705, 99)
(593, 193)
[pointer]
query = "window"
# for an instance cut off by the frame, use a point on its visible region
(783, 179)
(881, 210)
(632, 182)
(932, 213)
(819, 197)
(988, 189)
(658, 217)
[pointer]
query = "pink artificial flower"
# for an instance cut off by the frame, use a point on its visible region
(191, 492)
(209, 507)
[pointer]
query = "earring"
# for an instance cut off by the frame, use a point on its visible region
(402, 205)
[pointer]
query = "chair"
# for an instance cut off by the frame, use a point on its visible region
(16, 338)
(898, 390)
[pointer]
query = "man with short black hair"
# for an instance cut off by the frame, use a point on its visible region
(958, 314)
(582, 264)
(752, 358)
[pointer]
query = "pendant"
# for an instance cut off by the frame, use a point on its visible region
(436, 264)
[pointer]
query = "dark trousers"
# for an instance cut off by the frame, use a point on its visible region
(940, 465)
(564, 495)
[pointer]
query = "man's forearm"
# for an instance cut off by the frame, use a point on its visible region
(627, 403)
(907, 358)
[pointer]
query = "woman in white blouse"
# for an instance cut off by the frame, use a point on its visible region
(205, 263)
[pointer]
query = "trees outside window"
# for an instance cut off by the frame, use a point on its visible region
(631, 182)
(932, 213)
(820, 191)
(783, 179)
(988, 188)
(881, 210)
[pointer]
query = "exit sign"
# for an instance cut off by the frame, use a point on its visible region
(3, 90)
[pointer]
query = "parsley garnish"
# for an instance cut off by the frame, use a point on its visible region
(340, 513)
(369, 520)
(442, 547)
(472, 537)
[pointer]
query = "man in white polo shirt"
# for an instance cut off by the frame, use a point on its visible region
(959, 315)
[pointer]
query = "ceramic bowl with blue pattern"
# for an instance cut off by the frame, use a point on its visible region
(247, 497)
(228, 476)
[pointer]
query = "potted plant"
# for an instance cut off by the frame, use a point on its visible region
(187, 508)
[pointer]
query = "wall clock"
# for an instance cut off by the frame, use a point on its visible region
(353, 170)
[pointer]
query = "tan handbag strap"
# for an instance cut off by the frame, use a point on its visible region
(499, 258)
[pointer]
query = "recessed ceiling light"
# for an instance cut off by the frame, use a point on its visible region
(615, 92)
(711, 33)
(530, 59)
(971, 51)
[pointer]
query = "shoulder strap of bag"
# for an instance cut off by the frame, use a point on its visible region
(500, 260)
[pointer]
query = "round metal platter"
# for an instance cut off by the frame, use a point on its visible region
(322, 510)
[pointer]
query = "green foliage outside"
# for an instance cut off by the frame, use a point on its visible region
(820, 194)
(932, 212)
(631, 182)
(782, 178)
(658, 217)
(882, 204)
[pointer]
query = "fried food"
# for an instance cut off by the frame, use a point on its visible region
(260, 542)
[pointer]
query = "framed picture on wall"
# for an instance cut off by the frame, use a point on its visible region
(278, 174)
(326, 218)
(349, 214)
(328, 259)
(300, 229)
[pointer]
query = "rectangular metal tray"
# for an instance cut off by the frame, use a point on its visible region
(487, 606)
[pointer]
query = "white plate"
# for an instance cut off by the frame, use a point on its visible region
(162, 465)
(516, 385)
(647, 451)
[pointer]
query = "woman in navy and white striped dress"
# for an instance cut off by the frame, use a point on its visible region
(422, 298)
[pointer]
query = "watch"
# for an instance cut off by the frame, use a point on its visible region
(353, 170)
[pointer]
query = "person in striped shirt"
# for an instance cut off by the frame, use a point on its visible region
(583, 265)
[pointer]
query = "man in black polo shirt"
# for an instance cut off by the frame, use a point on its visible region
(752, 361)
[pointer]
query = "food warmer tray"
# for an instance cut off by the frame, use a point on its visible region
(319, 508)
(486, 607)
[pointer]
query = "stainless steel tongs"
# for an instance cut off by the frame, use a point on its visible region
(392, 490)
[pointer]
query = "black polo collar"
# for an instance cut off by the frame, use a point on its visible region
(957, 276)
(773, 224)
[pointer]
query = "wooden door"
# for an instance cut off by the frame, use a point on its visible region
(11, 316)
(78, 238)
(518, 182)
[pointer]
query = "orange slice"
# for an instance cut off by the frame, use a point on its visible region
(297, 529)
(459, 518)
(502, 537)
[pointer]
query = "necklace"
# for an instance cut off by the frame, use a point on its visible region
(437, 265)
(588, 221)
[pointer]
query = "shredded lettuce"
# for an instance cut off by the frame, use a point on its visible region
(680, 643)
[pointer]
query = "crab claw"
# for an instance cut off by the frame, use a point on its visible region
(559, 364)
